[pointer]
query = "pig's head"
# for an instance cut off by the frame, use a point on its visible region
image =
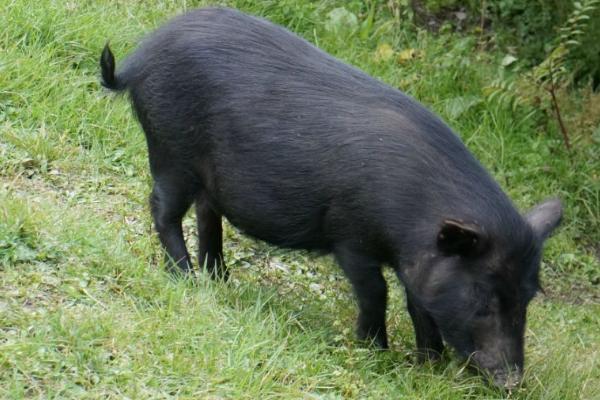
(476, 287)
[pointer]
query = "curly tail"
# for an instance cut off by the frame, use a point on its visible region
(107, 66)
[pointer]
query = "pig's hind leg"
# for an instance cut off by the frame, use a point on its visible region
(169, 201)
(210, 239)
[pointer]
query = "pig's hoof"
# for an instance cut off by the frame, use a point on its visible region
(428, 356)
(219, 274)
(177, 273)
(377, 340)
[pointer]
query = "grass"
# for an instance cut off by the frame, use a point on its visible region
(87, 311)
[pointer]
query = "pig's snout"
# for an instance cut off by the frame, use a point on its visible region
(505, 376)
(507, 379)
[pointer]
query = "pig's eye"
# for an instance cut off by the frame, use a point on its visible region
(483, 312)
(489, 307)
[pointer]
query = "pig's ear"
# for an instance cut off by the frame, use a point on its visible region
(545, 217)
(461, 238)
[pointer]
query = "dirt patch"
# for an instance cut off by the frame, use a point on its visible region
(567, 289)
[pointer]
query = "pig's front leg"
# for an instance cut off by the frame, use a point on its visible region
(429, 341)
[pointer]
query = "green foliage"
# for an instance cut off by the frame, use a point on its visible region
(555, 72)
(580, 34)
(437, 6)
(503, 91)
(559, 66)
(537, 28)
(532, 29)
(528, 25)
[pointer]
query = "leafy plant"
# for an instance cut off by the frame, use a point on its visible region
(554, 72)
(535, 29)
(503, 91)
(550, 75)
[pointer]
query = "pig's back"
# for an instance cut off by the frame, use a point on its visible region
(280, 131)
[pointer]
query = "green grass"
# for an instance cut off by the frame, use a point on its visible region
(87, 311)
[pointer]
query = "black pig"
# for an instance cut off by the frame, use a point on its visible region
(294, 147)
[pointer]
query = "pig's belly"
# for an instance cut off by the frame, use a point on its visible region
(286, 215)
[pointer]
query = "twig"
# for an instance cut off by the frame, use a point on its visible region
(559, 118)
(554, 102)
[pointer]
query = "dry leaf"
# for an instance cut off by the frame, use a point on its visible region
(407, 55)
(384, 52)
